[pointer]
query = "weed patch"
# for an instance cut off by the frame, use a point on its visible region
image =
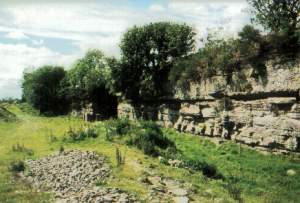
(74, 135)
(17, 166)
(21, 148)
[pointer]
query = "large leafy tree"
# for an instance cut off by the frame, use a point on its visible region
(88, 81)
(148, 53)
(277, 15)
(281, 17)
(42, 88)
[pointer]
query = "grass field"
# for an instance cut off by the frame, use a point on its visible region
(253, 176)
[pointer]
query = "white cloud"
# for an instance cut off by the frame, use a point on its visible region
(156, 8)
(96, 24)
(15, 58)
(16, 35)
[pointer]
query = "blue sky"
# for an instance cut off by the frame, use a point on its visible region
(35, 33)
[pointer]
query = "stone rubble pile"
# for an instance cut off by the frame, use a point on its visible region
(100, 195)
(71, 175)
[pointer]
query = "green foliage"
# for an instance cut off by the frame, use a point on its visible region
(80, 134)
(208, 170)
(281, 17)
(89, 82)
(42, 89)
(122, 126)
(276, 15)
(264, 177)
(100, 183)
(17, 166)
(145, 135)
(117, 127)
(52, 90)
(148, 53)
(150, 139)
(221, 56)
(218, 56)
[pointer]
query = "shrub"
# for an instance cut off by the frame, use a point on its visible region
(150, 139)
(17, 166)
(118, 127)
(145, 135)
(79, 135)
(122, 126)
(76, 135)
(208, 170)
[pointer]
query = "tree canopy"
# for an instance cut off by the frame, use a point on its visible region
(277, 15)
(88, 82)
(281, 17)
(148, 53)
(42, 89)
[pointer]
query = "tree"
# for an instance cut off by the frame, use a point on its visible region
(281, 17)
(277, 15)
(88, 82)
(148, 53)
(42, 89)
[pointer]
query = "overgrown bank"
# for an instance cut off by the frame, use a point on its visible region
(248, 175)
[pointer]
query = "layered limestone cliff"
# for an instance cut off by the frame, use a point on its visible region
(261, 112)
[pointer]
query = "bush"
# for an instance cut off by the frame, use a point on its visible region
(122, 126)
(79, 135)
(208, 170)
(17, 166)
(118, 127)
(145, 135)
(150, 139)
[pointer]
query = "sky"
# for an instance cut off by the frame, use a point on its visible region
(57, 32)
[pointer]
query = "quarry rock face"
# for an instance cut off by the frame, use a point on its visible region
(262, 112)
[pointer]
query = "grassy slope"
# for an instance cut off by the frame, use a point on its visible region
(6, 115)
(262, 178)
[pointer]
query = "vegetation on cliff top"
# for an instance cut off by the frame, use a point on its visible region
(158, 54)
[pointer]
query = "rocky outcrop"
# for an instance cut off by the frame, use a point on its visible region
(261, 112)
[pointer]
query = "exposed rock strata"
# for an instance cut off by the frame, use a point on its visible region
(265, 112)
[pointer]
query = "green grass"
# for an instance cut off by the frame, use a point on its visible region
(261, 178)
